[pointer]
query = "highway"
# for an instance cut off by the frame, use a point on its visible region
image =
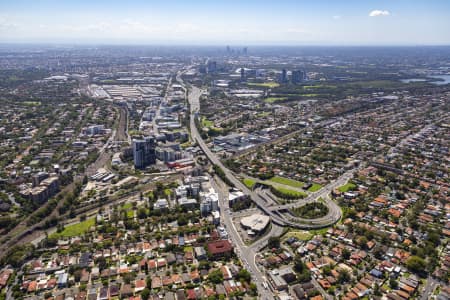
(335, 211)
(248, 253)
(245, 253)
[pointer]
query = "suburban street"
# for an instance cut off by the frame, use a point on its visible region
(334, 214)
(246, 253)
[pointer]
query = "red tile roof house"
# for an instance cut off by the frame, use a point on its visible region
(167, 280)
(191, 294)
(139, 285)
(152, 264)
(176, 278)
(156, 282)
(220, 248)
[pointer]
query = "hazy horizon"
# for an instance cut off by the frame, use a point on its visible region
(284, 23)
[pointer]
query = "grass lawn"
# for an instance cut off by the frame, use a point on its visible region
(319, 231)
(127, 206)
(188, 249)
(299, 234)
(186, 145)
(32, 103)
(376, 84)
(207, 123)
(287, 181)
(249, 182)
(263, 114)
(311, 95)
(167, 192)
(265, 84)
(315, 187)
(75, 229)
(347, 187)
(319, 86)
(130, 214)
(290, 192)
(274, 99)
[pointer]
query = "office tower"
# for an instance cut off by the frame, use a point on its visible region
(244, 50)
(242, 74)
(144, 153)
(298, 76)
(283, 77)
(212, 66)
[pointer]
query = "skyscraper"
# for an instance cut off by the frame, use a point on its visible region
(283, 77)
(242, 74)
(298, 76)
(212, 66)
(144, 153)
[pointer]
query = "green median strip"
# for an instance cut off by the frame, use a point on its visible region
(248, 182)
(287, 181)
(315, 187)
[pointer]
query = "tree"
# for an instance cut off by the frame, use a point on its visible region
(302, 271)
(77, 275)
(142, 213)
(346, 253)
(393, 283)
(299, 265)
(145, 294)
(416, 264)
(253, 288)
(344, 276)
(182, 220)
(376, 290)
(204, 264)
(362, 241)
(101, 262)
(244, 275)
(274, 242)
(326, 270)
(216, 276)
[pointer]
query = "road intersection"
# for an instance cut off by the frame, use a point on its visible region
(279, 221)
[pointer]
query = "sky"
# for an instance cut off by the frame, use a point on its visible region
(226, 22)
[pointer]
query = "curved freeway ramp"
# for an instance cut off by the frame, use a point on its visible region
(334, 210)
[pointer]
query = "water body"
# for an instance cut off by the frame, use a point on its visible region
(434, 79)
(442, 79)
(412, 80)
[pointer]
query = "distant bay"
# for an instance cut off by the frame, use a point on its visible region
(434, 79)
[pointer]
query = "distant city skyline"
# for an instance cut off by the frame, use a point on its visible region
(232, 22)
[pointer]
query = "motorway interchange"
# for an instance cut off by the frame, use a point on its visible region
(279, 220)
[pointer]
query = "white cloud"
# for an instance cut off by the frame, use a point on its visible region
(379, 13)
(186, 28)
(337, 17)
(296, 30)
(6, 24)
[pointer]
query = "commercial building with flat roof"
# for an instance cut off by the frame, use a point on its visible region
(255, 222)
